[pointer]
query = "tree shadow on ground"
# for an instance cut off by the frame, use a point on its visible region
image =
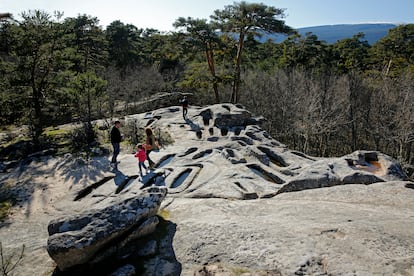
(19, 184)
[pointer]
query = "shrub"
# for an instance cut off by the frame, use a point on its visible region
(10, 262)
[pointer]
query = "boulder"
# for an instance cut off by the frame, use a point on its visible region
(359, 167)
(77, 239)
(229, 116)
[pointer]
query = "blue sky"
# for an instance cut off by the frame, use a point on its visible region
(160, 14)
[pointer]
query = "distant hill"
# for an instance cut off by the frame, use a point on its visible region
(332, 33)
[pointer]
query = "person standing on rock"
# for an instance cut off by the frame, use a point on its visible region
(116, 138)
(142, 156)
(150, 145)
(184, 104)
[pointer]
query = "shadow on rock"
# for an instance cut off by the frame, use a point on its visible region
(409, 185)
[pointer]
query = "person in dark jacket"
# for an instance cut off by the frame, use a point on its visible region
(184, 104)
(116, 138)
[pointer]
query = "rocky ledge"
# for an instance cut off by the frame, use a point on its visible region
(225, 198)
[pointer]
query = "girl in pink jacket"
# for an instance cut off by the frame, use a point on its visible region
(142, 156)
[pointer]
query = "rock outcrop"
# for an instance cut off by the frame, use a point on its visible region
(233, 200)
(222, 152)
(97, 235)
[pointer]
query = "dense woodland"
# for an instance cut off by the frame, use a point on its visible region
(318, 98)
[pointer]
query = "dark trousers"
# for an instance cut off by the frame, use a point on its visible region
(116, 152)
(140, 166)
(185, 110)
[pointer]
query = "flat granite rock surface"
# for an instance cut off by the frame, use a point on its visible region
(238, 200)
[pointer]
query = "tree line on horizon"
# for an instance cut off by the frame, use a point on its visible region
(321, 99)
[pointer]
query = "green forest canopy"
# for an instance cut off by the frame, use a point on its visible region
(319, 98)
